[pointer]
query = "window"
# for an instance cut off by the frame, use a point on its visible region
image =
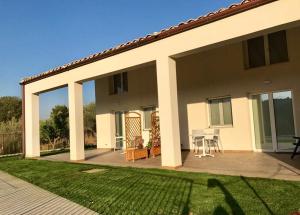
(147, 117)
(118, 83)
(256, 52)
(266, 50)
(278, 47)
(220, 112)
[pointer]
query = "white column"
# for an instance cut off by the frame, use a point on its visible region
(105, 131)
(105, 120)
(76, 121)
(168, 112)
(32, 125)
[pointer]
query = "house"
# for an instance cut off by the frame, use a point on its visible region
(237, 69)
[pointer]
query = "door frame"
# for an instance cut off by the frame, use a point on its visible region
(123, 127)
(272, 119)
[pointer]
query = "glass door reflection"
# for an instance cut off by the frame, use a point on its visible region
(284, 120)
(262, 122)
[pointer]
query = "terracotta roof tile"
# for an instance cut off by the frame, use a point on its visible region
(181, 27)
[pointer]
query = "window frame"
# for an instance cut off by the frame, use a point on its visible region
(153, 108)
(221, 112)
(267, 51)
(124, 86)
(285, 44)
(264, 52)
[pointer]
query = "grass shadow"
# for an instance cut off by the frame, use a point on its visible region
(257, 195)
(230, 200)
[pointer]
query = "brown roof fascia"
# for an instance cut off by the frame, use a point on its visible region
(182, 27)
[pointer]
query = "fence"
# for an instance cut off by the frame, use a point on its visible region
(10, 143)
(89, 142)
(59, 144)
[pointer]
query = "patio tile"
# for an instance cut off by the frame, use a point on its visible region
(250, 164)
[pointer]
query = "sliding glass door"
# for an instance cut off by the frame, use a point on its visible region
(262, 122)
(119, 129)
(284, 120)
(273, 121)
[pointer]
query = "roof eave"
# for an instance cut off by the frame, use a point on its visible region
(211, 17)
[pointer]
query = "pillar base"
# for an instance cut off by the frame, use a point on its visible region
(75, 161)
(171, 167)
(32, 157)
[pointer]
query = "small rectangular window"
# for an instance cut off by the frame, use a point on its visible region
(215, 117)
(266, 50)
(118, 83)
(278, 47)
(147, 117)
(125, 81)
(256, 52)
(220, 112)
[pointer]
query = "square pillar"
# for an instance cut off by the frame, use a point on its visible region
(168, 112)
(105, 131)
(76, 121)
(32, 125)
(105, 120)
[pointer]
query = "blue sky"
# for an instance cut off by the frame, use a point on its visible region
(38, 35)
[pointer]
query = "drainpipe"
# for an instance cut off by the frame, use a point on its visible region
(23, 119)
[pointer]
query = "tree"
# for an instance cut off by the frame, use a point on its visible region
(56, 127)
(10, 107)
(48, 133)
(89, 112)
(60, 118)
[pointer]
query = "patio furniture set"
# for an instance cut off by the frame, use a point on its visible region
(206, 139)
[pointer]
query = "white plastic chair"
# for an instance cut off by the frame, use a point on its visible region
(209, 138)
(198, 139)
(217, 140)
(213, 139)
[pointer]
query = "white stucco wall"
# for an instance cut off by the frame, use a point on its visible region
(267, 18)
(142, 93)
(209, 74)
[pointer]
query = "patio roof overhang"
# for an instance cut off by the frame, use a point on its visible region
(154, 37)
(238, 22)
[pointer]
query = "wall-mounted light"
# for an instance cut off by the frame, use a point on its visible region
(267, 82)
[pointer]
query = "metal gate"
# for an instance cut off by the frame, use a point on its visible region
(133, 128)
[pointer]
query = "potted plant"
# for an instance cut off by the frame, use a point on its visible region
(149, 146)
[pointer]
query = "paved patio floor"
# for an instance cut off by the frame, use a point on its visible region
(20, 197)
(250, 164)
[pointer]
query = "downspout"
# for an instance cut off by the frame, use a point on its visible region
(23, 120)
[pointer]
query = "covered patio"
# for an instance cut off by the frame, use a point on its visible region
(199, 80)
(250, 164)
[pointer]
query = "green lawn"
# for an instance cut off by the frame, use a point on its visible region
(151, 191)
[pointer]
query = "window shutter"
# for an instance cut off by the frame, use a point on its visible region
(111, 85)
(278, 47)
(256, 52)
(117, 83)
(125, 82)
